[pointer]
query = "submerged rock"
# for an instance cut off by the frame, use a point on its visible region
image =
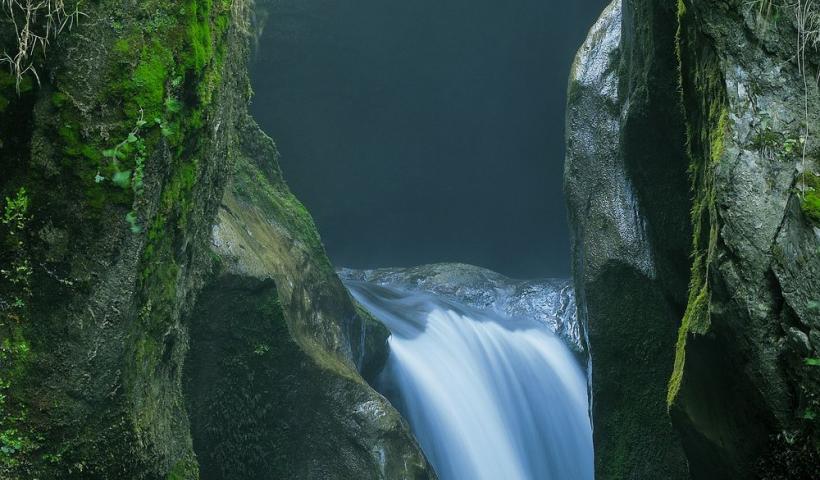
(549, 301)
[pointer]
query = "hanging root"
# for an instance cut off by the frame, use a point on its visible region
(35, 23)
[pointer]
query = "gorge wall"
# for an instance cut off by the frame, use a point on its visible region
(166, 306)
(167, 309)
(626, 189)
(690, 179)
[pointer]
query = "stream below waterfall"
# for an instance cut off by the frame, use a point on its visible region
(487, 396)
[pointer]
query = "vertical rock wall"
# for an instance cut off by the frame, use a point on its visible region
(119, 155)
(272, 382)
(627, 194)
(114, 173)
(732, 258)
(741, 386)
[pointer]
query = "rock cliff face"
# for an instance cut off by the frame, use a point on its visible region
(630, 290)
(741, 377)
(166, 307)
(272, 378)
(714, 238)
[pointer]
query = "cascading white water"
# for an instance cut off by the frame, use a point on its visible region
(488, 397)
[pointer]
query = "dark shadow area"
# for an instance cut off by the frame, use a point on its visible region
(425, 131)
(261, 407)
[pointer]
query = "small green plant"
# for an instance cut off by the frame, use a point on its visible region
(261, 349)
(133, 147)
(792, 145)
(15, 269)
(15, 442)
(133, 224)
(773, 143)
(15, 291)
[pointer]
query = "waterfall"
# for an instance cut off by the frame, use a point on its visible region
(487, 396)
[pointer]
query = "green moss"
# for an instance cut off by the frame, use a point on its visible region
(707, 125)
(717, 135)
(199, 34)
(17, 440)
(252, 184)
(82, 159)
(178, 48)
(122, 46)
(183, 122)
(58, 99)
(183, 470)
(165, 59)
(810, 202)
(147, 86)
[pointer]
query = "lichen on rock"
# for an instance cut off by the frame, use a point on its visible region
(285, 398)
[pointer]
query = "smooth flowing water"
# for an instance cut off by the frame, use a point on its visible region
(488, 397)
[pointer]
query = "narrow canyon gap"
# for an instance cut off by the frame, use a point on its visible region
(419, 132)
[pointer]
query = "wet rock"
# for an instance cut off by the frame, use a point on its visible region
(273, 381)
(626, 188)
(549, 301)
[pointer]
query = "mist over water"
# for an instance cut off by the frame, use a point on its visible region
(487, 397)
(386, 110)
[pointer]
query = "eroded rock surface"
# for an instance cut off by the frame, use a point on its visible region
(741, 387)
(175, 315)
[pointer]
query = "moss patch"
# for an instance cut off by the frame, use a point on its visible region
(148, 64)
(170, 79)
(178, 51)
(707, 125)
(810, 202)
